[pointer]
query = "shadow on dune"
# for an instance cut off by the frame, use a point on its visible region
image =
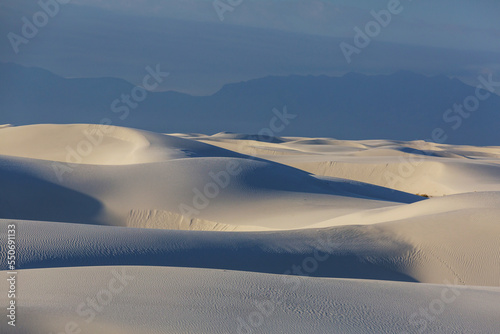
(275, 176)
(336, 266)
(26, 196)
(352, 252)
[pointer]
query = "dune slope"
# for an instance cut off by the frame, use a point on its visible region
(160, 180)
(182, 300)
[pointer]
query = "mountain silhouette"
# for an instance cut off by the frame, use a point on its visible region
(399, 106)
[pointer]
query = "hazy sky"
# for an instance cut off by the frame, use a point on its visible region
(119, 38)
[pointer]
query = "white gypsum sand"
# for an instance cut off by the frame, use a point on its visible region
(206, 225)
(186, 300)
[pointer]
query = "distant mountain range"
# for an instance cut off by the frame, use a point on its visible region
(402, 106)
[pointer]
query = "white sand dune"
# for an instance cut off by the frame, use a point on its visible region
(183, 300)
(100, 145)
(461, 244)
(414, 167)
(260, 193)
(350, 251)
(207, 225)
(475, 201)
(168, 178)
